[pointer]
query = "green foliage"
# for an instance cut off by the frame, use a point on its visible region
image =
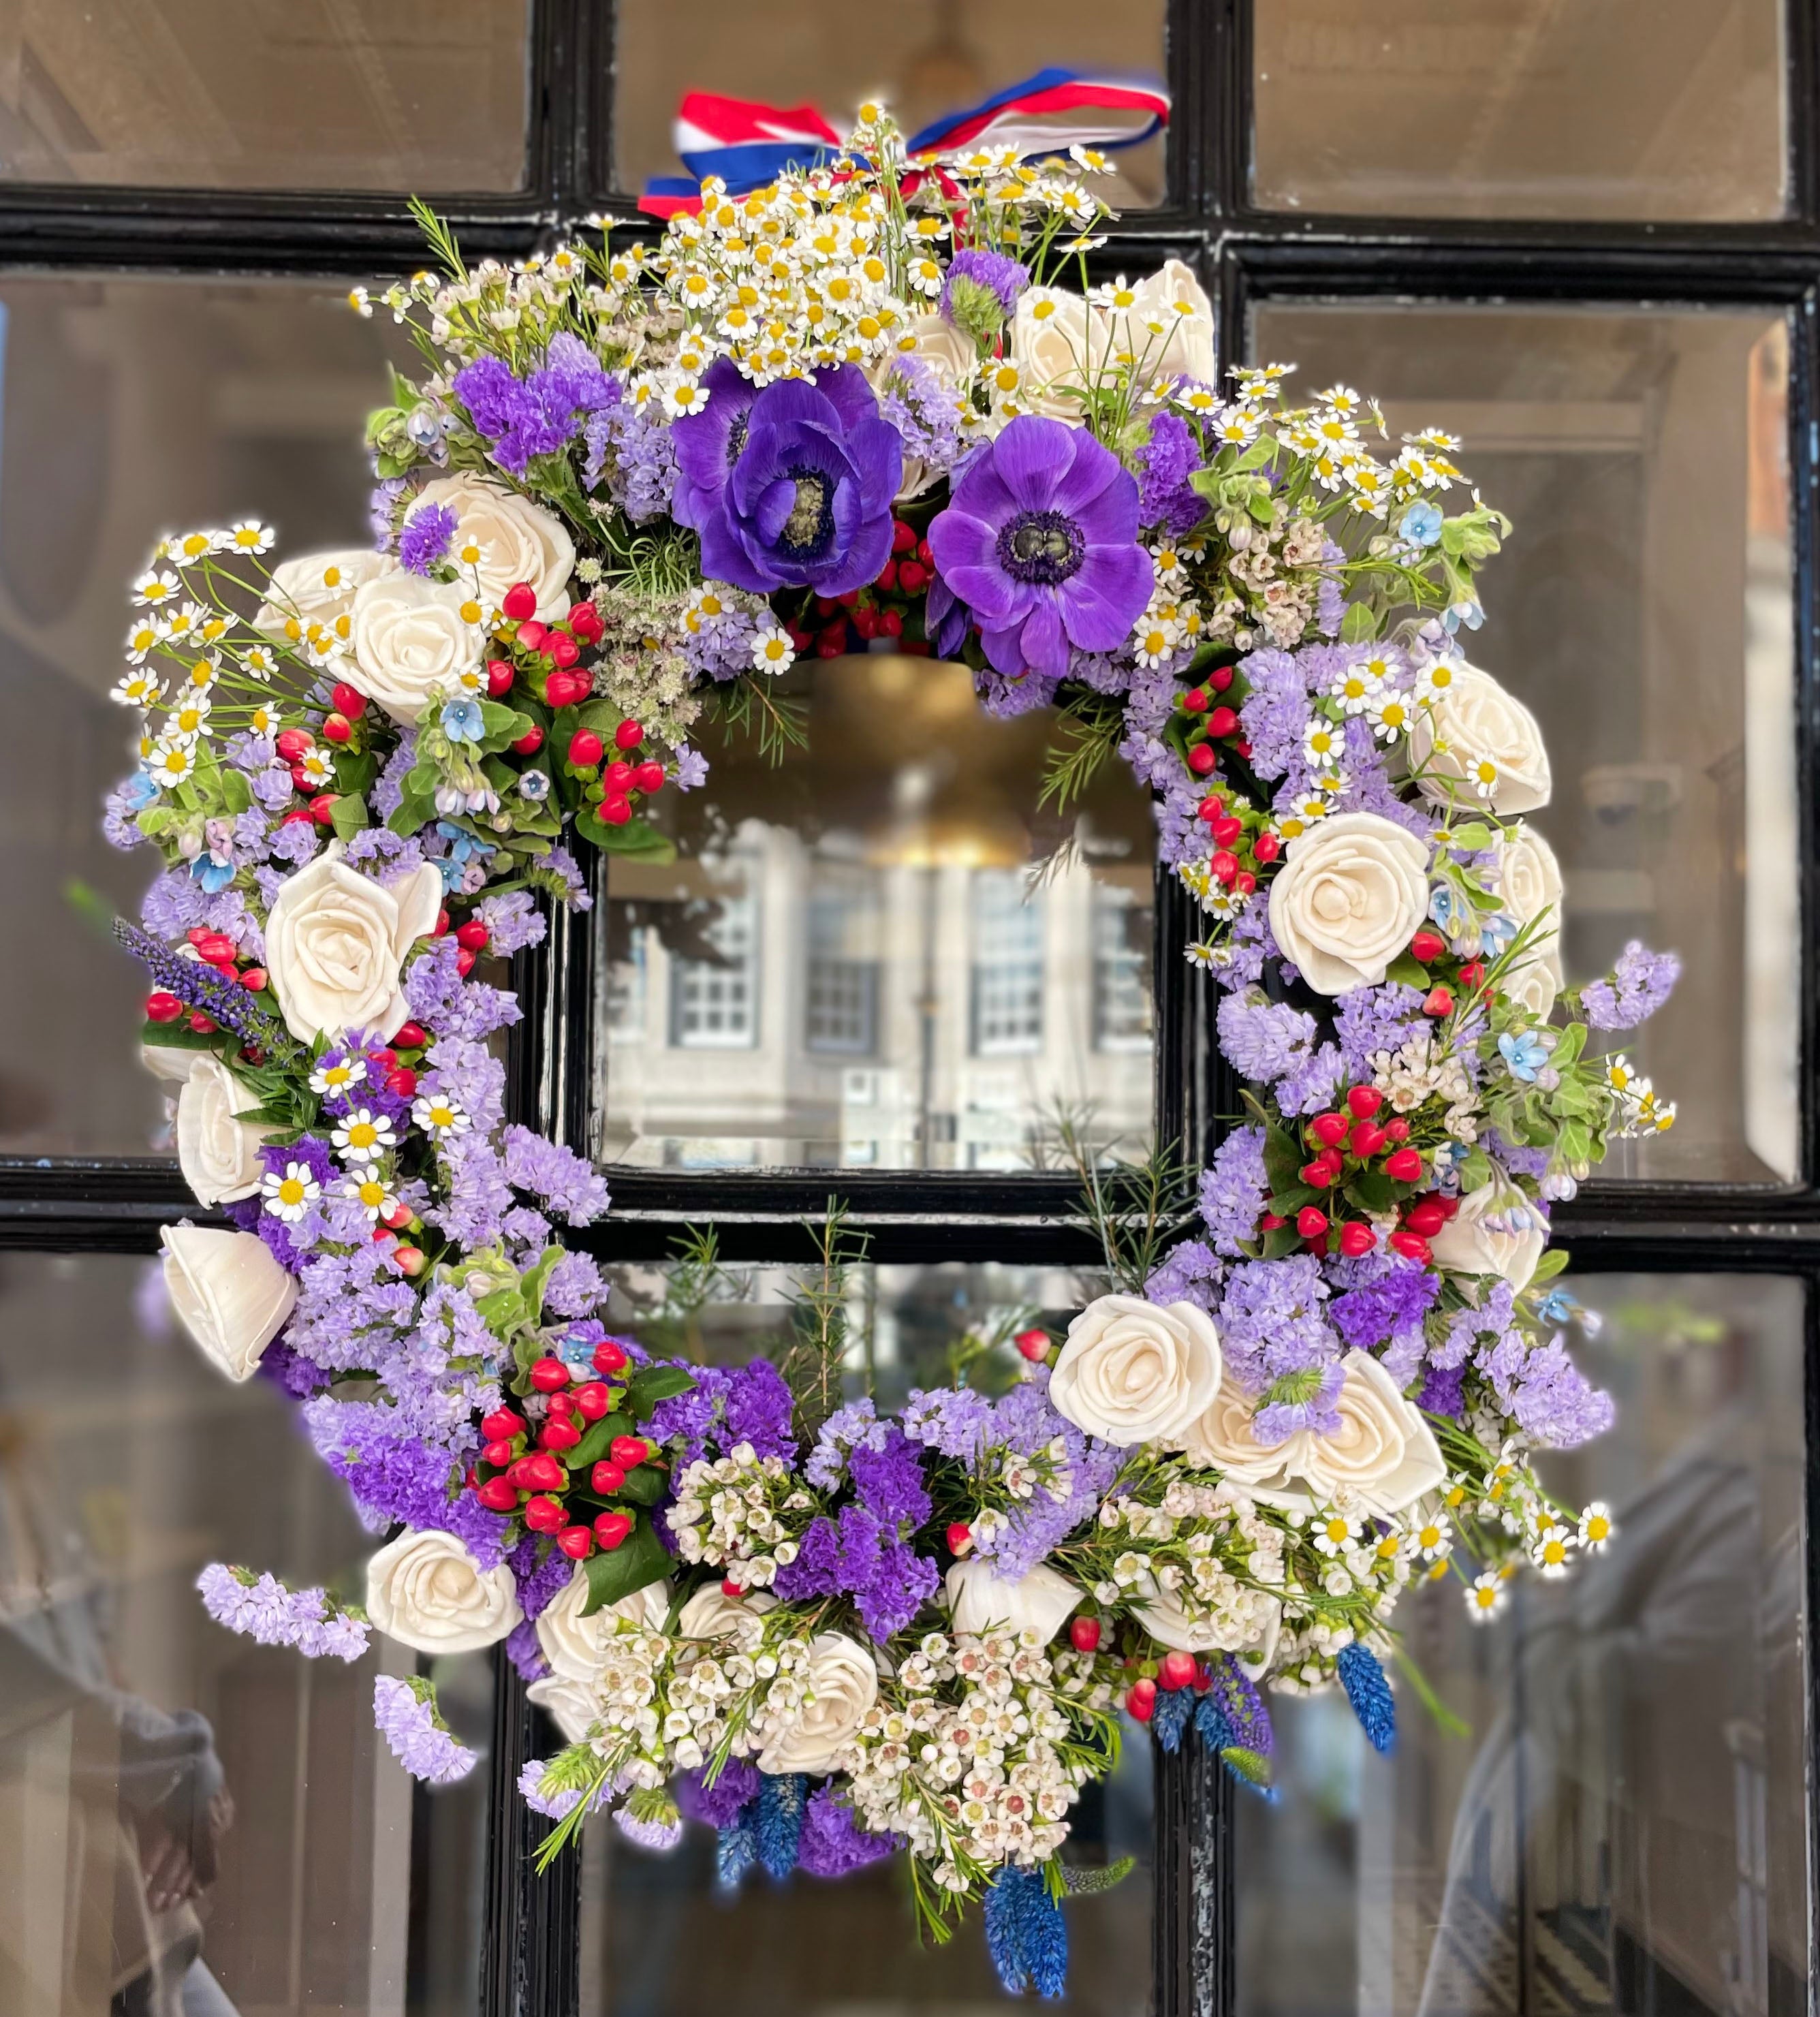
(1137, 1210)
(613, 1573)
(1087, 737)
(813, 1361)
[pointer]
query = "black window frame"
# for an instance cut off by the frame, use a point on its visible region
(1247, 256)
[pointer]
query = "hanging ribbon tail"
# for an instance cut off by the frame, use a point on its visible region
(746, 144)
(1044, 115)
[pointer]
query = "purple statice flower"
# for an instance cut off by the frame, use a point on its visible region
(566, 1182)
(887, 1480)
(721, 1801)
(1234, 1190)
(1248, 945)
(296, 843)
(557, 1807)
(1164, 463)
(1553, 1401)
(1263, 1040)
(854, 1426)
(480, 1193)
(405, 1710)
(388, 791)
(759, 1408)
(290, 1372)
(424, 541)
(633, 447)
(1190, 1272)
(562, 871)
(1025, 1421)
(576, 1287)
(1006, 695)
(1314, 1084)
(860, 1557)
(923, 411)
(395, 1475)
(120, 813)
(981, 290)
(833, 1843)
(525, 1650)
(469, 1071)
(265, 1610)
(1374, 1313)
(790, 486)
(523, 418)
(1637, 986)
(647, 1832)
(1443, 1391)
(441, 1001)
(954, 1420)
(1376, 1018)
(1518, 1157)
(691, 768)
(1275, 713)
(1273, 1320)
(1310, 1407)
(382, 507)
(1039, 541)
(540, 1582)
(513, 922)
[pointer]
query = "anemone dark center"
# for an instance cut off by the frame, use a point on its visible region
(1043, 547)
(735, 437)
(807, 528)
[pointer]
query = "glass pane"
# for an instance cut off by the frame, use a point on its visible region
(881, 952)
(306, 94)
(127, 407)
(1666, 109)
(659, 1940)
(1643, 608)
(177, 1804)
(921, 62)
(1625, 1827)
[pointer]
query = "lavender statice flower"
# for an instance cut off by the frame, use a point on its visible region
(1553, 1402)
(424, 541)
(1190, 1272)
(1273, 1320)
(1274, 714)
(1168, 458)
(1234, 1190)
(382, 507)
(1370, 1019)
(576, 1287)
(691, 768)
(854, 1426)
(1637, 986)
(565, 1182)
(267, 1610)
(1313, 1085)
(657, 1836)
(558, 1804)
(955, 1420)
(1300, 1401)
(512, 921)
(1263, 1040)
(832, 1842)
(405, 1709)
(388, 790)
(921, 408)
(631, 447)
(441, 1000)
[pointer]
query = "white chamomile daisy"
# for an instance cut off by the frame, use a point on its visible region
(1154, 641)
(1596, 1528)
(248, 535)
(683, 396)
(145, 634)
(336, 1075)
(1435, 681)
(260, 661)
(361, 302)
(188, 721)
(1432, 1539)
(155, 588)
(364, 1136)
(1354, 688)
(436, 1114)
(290, 1195)
(171, 762)
(1335, 1533)
(1486, 1599)
(772, 650)
(1553, 1552)
(139, 688)
(1388, 715)
(1323, 742)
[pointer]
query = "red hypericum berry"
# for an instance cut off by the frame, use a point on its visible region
(348, 700)
(500, 674)
(564, 649)
(891, 623)
(903, 538)
(1397, 1130)
(611, 1528)
(1411, 1245)
(1202, 758)
(1177, 1670)
(1140, 1701)
(1426, 1216)
(401, 1080)
(629, 1451)
(464, 962)
(1223, 865)
(562, 690)
(1363, 1101)
(411, 1261)
(559, 1433)
(925, 556)
(409, 1037)
(214, 947)
(1438, 1001)
(1332, 1159)
(161, 1007)
(648, 778)
(576, 1542)
(1329, 1129)
(584, 621)
(1311, 1222)
(529, 743)
(1194, 701)
(301, 781)
(1357, 1239)
(322, 809)
(1211, 807)
(1367, 1138)
(1318, 1175)
(294, 744)
(1226, 830)
(913, 577)
(610, 1357)
(201, 1025)
(562, 1404)
(498, 1494)
(296, 812)
(1245, 882)
(502, 1425)
(1083, 1634)
(254, 979)
(520, 602)
(1404, 1165)
(616, 812)
(545, 1516)
(537, 1471)
(886, 578)
(592, 1399)
(1033, 1343)
(586, 747)
(1472, 974)
(1427, 946)
(338, 728)
(1266, 847)
(959, 1537)
(832, 642)
(866, 621)
(474, 935)
(619, 775)
(498, 1455)
(628, 735)
(849, 598)
(1270, 1221)
(1221, 721)
(606, 1478)
(1221, 678)
(550, 1376)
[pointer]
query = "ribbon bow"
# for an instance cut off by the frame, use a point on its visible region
(747, 144)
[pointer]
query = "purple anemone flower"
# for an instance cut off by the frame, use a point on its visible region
(790, 487)
(1041, 542)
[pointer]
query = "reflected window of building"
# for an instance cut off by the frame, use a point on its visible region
(842, 984)
(1122, 967)
(1643, 608)
(1006, 984)
(714, 998)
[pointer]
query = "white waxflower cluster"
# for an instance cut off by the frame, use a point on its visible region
(1192, 1564)
(1423, 1068)
(729, 1514)
(969, 1761)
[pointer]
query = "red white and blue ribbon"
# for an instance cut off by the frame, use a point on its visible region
(747, 144)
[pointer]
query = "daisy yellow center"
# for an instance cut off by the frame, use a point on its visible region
(441, 1116)
(372, 1194)
(291, 1191)
(1336, 1530)
(1598, 1529)
(362, 1134)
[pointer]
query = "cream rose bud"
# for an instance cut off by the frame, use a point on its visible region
(1496, 1231)
(336, 941)
(843, 1683)
(228, 1292)
(575, 1646)
(570, 1705)
(1351, 893)
(711, 1613)
(1135, 1372)
(412, 642)
(1038, 1601)
(318, 588)
(1174, 297)
(1475, 721)
(219, 1155)
(518, 541)
(1382, 1449)
(169, 1062)
(426, 1590)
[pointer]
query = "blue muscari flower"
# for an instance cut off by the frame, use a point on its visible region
(1170, 1716)
(779, 1821)
(1369, 1693)
(462, 720)
(1025, 1934)
(1467, 612)
(735, 1848)
(1422, 523)
(1525, 1055)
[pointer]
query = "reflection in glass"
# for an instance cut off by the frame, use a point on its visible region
(126, 408)
(1663, 109)
(881, 953)
(1643, 608)
(314, 94)
(922, 62)
(1624, 1829)
(659, 1940)
(191, 1824)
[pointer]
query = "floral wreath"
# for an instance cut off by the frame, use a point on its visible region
(862, 402)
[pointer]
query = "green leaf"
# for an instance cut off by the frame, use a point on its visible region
(1282, 1239)
(1550, 1265)
(237, 791)
(1408, 969)
(596, 1440)
(1360, 624)
(347, 815)
(640, 1559)
(653, 1383)
(1372, 1191)
(1283, 1161)
(1475, 1169)
(1286, 1202)
(535, 1280)
(1253, 1766)
(637, 837)
(1475, 835)
(503, 725)
(645, 1485)
(175, 1037)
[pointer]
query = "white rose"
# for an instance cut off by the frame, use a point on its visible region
(575, 1646)
(569, 1704)
(1350, 895)
(1477, 721)
(411, 641)
(169, 1062)
(948, 353)
(1057, 342)
(843, 1684)
(1530, 886)
(1166, 1618)
(1038, 1601)
(425, 1590)
(518, 541)
(228, 1292)
(319, 589)
(711, 1613)
(1135, 1372)
(1221, 1439)
(1175, 298)
(336, 941)
(219, 1156)
(1478, 1239)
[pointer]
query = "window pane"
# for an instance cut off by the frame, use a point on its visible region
(134, 1728)
(1643, 608)
(308, 94)
(1624, 1829)
(922, 64)
(127, 407)
(659, 1940)
(1666, 109)
(854, 960)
